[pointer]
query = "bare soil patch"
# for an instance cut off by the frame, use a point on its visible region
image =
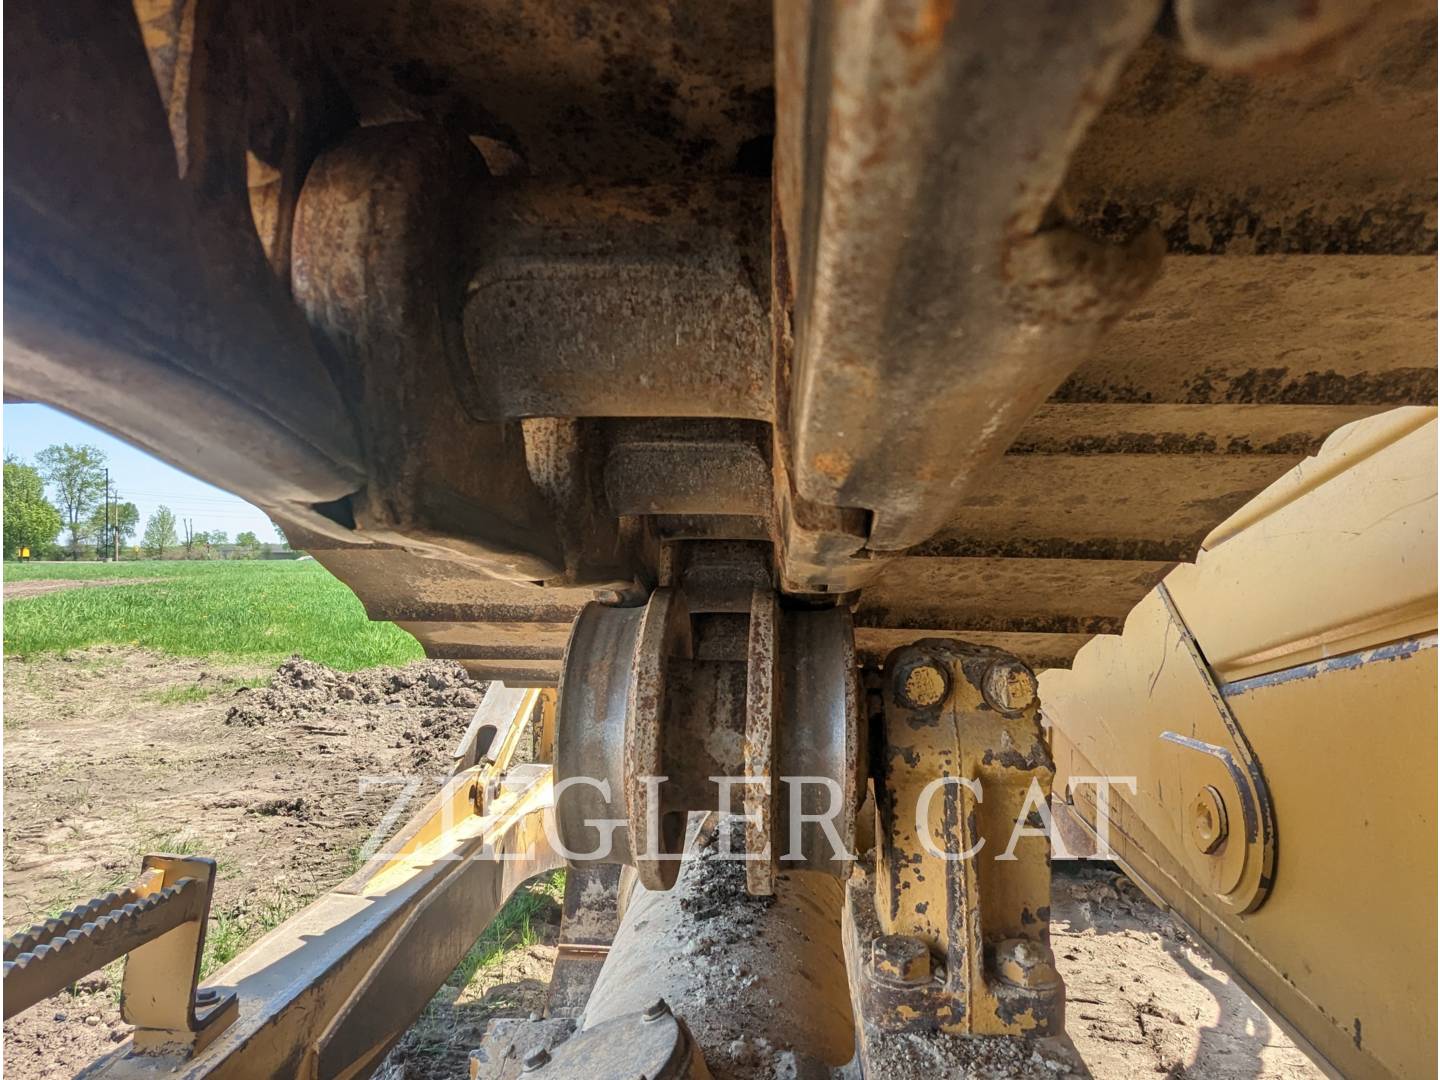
(100, 768)
(21, 590)
(1143, 999)
(108, 754)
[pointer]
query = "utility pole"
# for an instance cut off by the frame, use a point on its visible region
(105, 521)
(115, 533)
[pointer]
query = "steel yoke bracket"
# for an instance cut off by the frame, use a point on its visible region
(949, 931)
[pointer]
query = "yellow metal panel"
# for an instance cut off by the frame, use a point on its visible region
(1316, 607)
(1346, 447)
(1336, 567)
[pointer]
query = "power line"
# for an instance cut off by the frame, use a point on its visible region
(178, 497)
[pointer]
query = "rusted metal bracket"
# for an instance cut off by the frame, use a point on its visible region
(949, 931)
(158, 922)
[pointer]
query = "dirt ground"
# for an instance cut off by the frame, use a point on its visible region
(110, 752)
(108, 755)
(21, 590)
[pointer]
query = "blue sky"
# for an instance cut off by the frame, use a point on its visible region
(140, 478)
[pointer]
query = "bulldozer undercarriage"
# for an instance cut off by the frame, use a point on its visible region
(879, 448)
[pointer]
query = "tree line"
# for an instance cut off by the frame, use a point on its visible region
(66, 490)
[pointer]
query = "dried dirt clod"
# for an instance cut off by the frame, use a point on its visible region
(423, 707)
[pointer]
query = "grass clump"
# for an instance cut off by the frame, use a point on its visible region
(231, 933)
(261, 611)
(189, 693)
(513, 928)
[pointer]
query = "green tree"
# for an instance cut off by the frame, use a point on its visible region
(159, 532)
(219, 536)
(124, 519)
(30, 520)
(249, 544)
(77, 475)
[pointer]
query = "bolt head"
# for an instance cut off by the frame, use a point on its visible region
(655, 1011)
(1208, 822)
(1009, 686)
(921, 684)
(1026, 964)
(900, 959)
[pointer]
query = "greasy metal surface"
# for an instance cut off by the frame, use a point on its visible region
(763, 682)
(1289, 166)
(1340, 701)
(818, 734)
(656, 832)
(137, 292)
(955, 191)
(1332, 154)
(690, 467)
(735, 966)
(387, 200)
(591, 729)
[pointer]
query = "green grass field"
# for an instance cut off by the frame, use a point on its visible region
(260, 610)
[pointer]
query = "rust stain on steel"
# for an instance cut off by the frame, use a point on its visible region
(761, 691)
(930, 23)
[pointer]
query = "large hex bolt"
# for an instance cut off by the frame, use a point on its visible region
(1208, 822)
(1009, 686)
(1026, 964)
(921, 684)
(900, 959)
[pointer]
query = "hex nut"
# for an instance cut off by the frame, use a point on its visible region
(1209, 823)
(1009, 686)
(656, 1010)
(537, 1060)
(1026, 964)
(900, 959)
